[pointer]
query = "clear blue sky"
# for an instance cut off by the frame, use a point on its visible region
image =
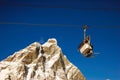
(24, 22)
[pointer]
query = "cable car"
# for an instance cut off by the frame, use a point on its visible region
(86, 48)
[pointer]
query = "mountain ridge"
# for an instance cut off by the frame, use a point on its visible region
(39, 62)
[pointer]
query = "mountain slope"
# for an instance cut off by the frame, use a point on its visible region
(39, 62)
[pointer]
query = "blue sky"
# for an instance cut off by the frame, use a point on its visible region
(24, 22)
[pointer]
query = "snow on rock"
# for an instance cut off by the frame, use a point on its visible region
(39, 62)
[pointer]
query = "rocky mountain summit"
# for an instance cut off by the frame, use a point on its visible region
(39, 62)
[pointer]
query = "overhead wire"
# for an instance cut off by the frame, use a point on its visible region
(54, 25)
(3, 3)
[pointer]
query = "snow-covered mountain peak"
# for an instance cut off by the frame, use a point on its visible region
(39, 62)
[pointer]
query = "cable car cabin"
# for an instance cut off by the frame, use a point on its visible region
(85, 48)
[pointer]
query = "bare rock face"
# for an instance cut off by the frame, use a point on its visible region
(39, 62)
